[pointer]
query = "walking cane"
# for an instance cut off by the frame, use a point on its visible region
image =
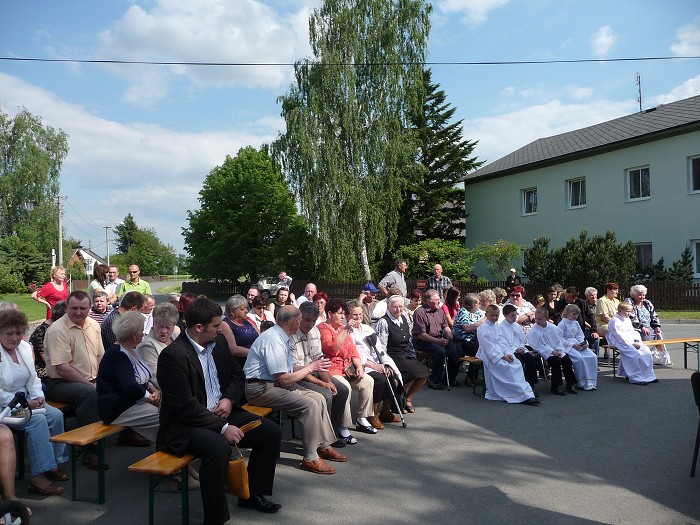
(371, 340)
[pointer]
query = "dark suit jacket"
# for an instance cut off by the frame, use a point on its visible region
(184, 399)
(584, 317)
(117, 389)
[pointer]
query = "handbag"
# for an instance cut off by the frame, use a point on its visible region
(237, 473)
(351, 372)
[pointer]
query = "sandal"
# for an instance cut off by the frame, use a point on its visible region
(409, 407)
(350, 439)
(56, 474)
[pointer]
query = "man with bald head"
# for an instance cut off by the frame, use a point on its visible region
(309, 292)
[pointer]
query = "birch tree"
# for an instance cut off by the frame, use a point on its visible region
(348, 150)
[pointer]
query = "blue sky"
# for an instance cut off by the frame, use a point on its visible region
(143, 138)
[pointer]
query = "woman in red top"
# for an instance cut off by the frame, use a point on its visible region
(341, 350)
(53, 291)
(451, 304)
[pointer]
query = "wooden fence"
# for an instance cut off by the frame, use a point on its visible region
(664, 295)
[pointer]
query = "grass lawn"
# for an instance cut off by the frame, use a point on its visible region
(169, 289)
(33, 310)
(679, 315)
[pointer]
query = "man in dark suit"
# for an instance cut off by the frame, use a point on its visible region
(586, 318)
(200, 413)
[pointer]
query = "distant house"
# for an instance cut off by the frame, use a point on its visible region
(88, 257)
(638, 176)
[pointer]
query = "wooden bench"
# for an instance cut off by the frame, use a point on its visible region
(689, 343)
(162, 466)
(81, 437)
(477, 366)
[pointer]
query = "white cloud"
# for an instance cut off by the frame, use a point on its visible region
(115, 168)
(508, 91)
(475, 11)
(216, 31)
(689, 88)
(579, 92)
(502, 134)
(688, 39)
(602, 41)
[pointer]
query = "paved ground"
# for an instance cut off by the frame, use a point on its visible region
(618, 455)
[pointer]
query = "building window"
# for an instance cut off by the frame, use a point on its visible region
(643, 255)
(694, 174)
(529, 201)
(638, 184)
(696, 259)
(576, 193)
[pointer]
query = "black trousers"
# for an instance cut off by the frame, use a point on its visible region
(531, 365)
(556, 365)
(214, 452)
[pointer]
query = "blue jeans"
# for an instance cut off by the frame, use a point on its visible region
(437, 353)
(44, 455)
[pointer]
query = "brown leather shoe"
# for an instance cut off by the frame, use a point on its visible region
(90, 462)
(129, 438)
(318, 466)
(390, 418)
(376, 423)
(331, 454)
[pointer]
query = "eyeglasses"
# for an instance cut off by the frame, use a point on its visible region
(133, 271)
(515, 295)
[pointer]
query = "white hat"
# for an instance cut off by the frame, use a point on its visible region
(512, 270)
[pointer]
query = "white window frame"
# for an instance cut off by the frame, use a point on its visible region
(694, 174)
(695, 247)
(628, 175)
(524, 197)
(639, 245)
(570, 193)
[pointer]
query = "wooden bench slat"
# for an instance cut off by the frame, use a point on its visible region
(87, 434)
(63, 407)
(258, 411)
(161, 463)
(470, 359)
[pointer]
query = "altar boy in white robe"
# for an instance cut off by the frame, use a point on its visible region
(584, 360)
(636, 363)
(503, 373)
(546, 339)
(514, 337)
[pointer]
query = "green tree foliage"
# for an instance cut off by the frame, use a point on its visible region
(348, 149)
(247, 224)
(582, 261)
(125, 234)
(681, 271)
(538, 264)
(143, 247)
(456, 259)
(499, 256)
(31, 155)
(435, 204)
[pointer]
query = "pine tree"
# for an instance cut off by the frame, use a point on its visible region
(682, 270)
(436, 203)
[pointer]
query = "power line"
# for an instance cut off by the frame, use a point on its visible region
(84, 219)
(278, 64)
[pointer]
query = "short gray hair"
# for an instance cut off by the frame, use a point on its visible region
(590, 290)
(309, 309)
(637, 289)
(128, 323)
(354, 303)
(165, 312)
(235, 302)
(286, 314)
(487, 296)
(470, 300)
(99, 293)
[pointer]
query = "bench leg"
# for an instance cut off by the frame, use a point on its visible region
(101, 471)
(154, 480)
(74, 454)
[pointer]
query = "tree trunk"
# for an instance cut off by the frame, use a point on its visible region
(363, 248)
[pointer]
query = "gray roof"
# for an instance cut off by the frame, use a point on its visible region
(664, 120)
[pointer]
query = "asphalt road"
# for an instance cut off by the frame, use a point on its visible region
(618, 455)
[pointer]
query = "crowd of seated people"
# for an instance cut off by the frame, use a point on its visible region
(309, 365)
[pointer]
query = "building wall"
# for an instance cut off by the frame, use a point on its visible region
(669, 219)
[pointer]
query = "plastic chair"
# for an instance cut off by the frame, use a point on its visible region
(695, 381)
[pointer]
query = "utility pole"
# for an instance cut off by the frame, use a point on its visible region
(107, 242)
(60, 231)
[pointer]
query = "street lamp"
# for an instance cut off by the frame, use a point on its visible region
(107, 242)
